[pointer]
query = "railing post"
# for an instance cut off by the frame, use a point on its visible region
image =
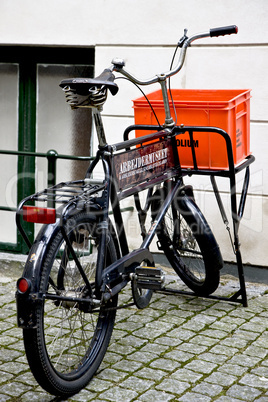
(52, 156)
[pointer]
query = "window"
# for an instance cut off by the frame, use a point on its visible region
(35, 117)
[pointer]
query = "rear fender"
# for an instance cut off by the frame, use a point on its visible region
(28, 302)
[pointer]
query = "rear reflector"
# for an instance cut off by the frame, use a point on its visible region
(23, 285)
(39, 215)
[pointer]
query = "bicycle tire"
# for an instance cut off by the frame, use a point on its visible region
(188, 243)
(68, 344)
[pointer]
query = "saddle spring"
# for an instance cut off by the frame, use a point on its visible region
(95, 98)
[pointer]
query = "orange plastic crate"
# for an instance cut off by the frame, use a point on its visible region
(228, 109)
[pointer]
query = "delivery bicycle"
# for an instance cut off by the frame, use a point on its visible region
(80, 260)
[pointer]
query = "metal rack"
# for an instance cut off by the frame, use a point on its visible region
(237, 209)
(63, 195)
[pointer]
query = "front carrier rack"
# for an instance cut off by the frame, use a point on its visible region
(236, 210)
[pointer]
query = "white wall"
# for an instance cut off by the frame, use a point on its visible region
(143, 33)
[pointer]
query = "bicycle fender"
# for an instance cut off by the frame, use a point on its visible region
(188, 208)
(28, 302)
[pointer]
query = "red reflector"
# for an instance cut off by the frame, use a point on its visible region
(23, 285)
(39, 215)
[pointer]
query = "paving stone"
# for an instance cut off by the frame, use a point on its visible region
(244, 360)
(215, 313)
(186, 375)
(84, 395)
(214, 333)
(144, 357)
(173, 319)
(233, 369)
(15, 389)
(14, 367)
(133, 341)
(35, 396)
(98, 385)
(247, 334)
(149, 332)
(204, 340)
(213, 358)
(151, 374)
(129, 325)
(165, 340)
(165, 364)
(235, 342)
(254, 327)
(208, 389)
(201, 366)
(112, 375)
(227, 399)
(224, 350)
(243, 392)
(194, 397)
(182, 334)
(121, 349)
(173, 386)
(261, 371)
(4, 377)
(154, 348)
(223, 326)
(179, 355)
(253, 380)
(192, 348)
(137, 384)
(180, 313)
(153, 396)
(254, 350)
(128, 366)
(221, 379)
(4, 398)
(118, 394)
(112, 357)
(8, 355)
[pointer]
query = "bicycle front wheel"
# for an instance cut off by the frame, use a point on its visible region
(188, 243)
(70, 339)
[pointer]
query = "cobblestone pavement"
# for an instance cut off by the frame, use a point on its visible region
(180, 348)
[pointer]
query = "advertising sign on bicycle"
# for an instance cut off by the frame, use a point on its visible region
(140, 164)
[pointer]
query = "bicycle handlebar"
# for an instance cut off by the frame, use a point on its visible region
(232, 29)
(118, 65)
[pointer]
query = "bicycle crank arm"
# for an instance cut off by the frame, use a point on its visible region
(119, 272)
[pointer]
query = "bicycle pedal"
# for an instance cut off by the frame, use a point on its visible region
(149, 278)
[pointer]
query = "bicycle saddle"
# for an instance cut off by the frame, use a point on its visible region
(83, 86)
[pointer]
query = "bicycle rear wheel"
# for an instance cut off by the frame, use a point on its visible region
(188, 243)
(70, 339)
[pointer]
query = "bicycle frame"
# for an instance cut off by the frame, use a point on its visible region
(127, 173)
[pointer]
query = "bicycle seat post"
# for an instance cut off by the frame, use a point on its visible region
(99, 126)
(169, 122)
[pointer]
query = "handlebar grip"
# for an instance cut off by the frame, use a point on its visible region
(231, 29)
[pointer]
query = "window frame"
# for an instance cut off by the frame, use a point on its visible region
(27, 58)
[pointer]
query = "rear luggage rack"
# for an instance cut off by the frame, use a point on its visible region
(61, 196)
